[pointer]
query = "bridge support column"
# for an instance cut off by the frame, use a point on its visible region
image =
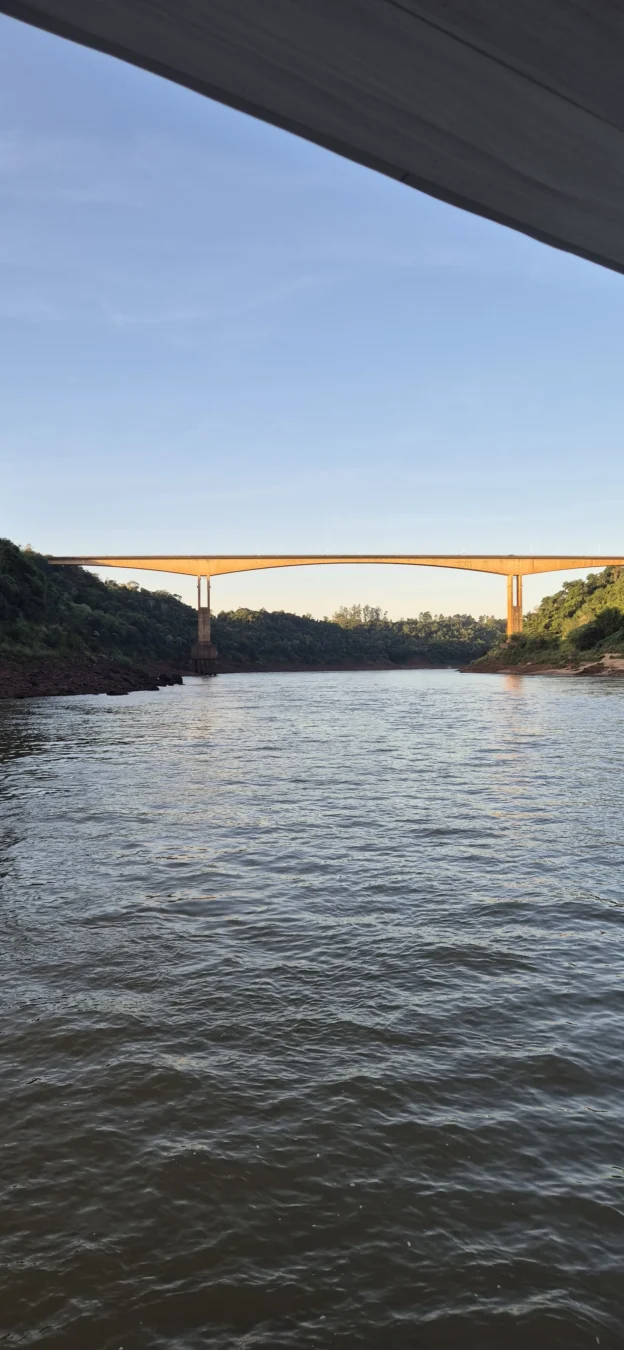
(203, 652)
(514, 605)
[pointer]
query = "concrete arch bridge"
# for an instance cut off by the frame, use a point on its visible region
(512, 566)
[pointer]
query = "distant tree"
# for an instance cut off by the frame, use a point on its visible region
(348, 616)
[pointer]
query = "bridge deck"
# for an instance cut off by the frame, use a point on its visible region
(223, 564)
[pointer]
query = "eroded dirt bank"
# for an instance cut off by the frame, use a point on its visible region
(41, 677)
(605, 666)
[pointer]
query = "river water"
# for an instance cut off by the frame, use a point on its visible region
(313, 1015)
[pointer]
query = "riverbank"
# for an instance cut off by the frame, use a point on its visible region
(606, 665)
(279, 668)
(44, 677)
(47, 677)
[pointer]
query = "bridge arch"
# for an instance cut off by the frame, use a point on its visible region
(512, 566)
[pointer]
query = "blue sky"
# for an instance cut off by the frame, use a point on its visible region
(217, 338)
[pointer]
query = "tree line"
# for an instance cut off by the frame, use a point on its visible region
(355, 634)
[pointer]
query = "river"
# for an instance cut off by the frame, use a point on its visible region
(313, 1015)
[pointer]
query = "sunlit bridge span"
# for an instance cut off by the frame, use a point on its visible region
(513, 566)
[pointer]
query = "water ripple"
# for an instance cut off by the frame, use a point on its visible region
(312, 1014)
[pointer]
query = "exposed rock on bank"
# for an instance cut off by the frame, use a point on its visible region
(495, 665)
(40, 677)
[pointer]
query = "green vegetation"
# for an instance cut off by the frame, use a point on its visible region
(359, 635)
(582, 622)
(65, 611)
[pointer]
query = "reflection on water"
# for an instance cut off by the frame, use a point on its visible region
(514, 684)
(312, 1014)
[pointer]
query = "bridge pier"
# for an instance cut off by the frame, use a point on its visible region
(203, 652)
(514, 605)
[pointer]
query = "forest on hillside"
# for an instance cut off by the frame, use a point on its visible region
(64, 611)
(584, 619)
(359, 635)
(60, 611)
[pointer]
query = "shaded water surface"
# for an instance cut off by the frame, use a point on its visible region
(313, 1015)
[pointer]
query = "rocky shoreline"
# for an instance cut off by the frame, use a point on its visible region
(49, 677)
(605, 666)
(44, 677)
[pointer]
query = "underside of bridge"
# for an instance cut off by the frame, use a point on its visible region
(512, 566)
(513, 109)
